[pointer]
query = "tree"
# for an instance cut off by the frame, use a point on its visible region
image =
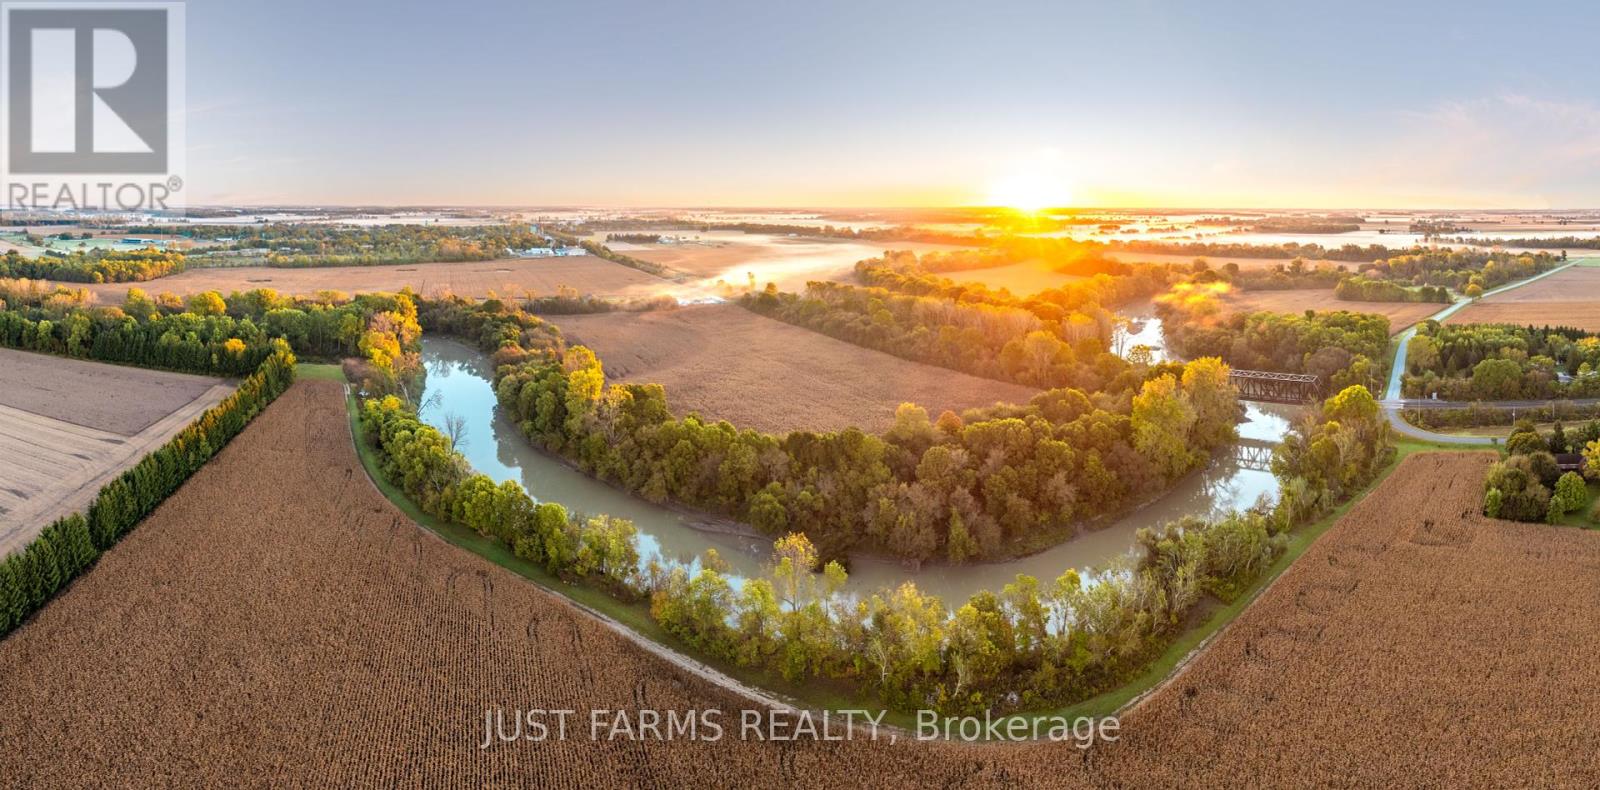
(1161, 422)
(959, 545)
(1497, 379)
(455, 428)
(793, 560)
(1525, 440)
(1353, 403)
(1421, 353)
(1558, 439)
(207, 303)
(1215, 402)
(1570, 495)
(1591, 460)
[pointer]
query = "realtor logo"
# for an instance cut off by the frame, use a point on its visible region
(93, 104)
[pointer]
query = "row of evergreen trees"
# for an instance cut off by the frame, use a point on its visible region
(66, 548)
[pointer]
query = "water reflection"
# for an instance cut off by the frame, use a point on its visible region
(458, 383)
(1139, 326)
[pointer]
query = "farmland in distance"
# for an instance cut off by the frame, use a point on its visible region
(477, 279)
(1567, 298)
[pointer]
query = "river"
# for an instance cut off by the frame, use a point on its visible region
(462, 377)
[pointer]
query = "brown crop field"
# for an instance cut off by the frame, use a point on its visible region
(726, 362)
(1400, 314)
(787, 261)
(1021, 279)
(1567, 298)
(1416, 643)
(69, 426)
(510, 277)
(277, 622)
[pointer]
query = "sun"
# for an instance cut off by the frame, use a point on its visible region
(1031, 191)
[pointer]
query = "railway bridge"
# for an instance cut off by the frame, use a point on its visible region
(1254, 454)
(1271, 387)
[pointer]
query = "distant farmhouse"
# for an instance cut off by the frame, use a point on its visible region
(547, 252)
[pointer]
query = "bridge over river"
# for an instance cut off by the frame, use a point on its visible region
(1271, 387)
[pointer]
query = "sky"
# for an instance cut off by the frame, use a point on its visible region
(1130, 103)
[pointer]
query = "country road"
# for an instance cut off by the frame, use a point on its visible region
(1393, 404)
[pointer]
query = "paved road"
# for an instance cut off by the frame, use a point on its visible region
(1415, 404)
(1393, 404)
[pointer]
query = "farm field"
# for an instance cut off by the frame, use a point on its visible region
(1568, 298)
(512, 276)
(726, 362)
(790, 262)
(1383, 655)
(326, 640)
(67, 427)
(319, 614)
(1400, 314)
(1021, 279)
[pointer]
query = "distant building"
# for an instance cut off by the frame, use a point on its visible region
(547, 252)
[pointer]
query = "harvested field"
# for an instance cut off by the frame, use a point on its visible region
(114, 398)
(789, 262)
(1021, 279)
(586, 274)
(68, 427)
(1417, 643)
(1400, 314)
(726, 362)
(322, 639)
(1567, 298)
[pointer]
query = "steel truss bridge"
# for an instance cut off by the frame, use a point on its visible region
(1270, 387)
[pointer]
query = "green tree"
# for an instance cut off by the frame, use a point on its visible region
(1497, 379)
(1161, 422)
(1570, 495)
(1215, 402)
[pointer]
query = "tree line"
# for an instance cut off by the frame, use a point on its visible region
(315, 244)
(1549, 243)
(1420, 275)
(1477, 414)
(212, 335)
(1501, 362)
(100, 266)
(1350, 253)
(993, 341)
(1470, 272)
(602, 251)
(69, 546)
(1030, 645)
(1367, 289)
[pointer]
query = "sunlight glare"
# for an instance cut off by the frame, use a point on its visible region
(1030, 191)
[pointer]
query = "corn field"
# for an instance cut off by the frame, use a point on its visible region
(277, 622)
